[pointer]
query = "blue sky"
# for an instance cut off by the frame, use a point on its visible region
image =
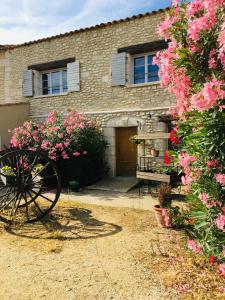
(25, 20)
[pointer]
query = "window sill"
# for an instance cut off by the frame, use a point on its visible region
(143, 84)
(51, 95)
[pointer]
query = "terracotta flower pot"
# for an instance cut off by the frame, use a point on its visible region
(162, 216)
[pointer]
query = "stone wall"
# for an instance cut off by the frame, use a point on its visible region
(2, 76)
(11, 116)
(94, 49)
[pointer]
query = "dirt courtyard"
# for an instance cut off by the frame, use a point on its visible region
(88, 252)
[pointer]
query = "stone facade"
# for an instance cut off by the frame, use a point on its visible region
(11, 116)
(93, 48)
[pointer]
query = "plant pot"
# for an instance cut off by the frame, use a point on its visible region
(74, 186)
(8, 179)
(154, 152)
(162, 216)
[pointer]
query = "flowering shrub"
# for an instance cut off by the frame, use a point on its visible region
(74, 138)
(192, 68)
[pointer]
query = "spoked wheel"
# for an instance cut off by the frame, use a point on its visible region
(30, 186)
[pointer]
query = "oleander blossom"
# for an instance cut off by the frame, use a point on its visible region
(201, 17)
(221, 42)
(194, 8)
(186, 159)
(192, 69)
(220, 178)
(197, 25)
(192, 245)
(176, 80)
(163, 28)
(212, 60)
(205, 198)
(221, 269)
(61, 135)
(220, 222)
(212, 163)
(209, 96)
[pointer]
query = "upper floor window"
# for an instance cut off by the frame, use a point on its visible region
(144, 69)
(54, 82)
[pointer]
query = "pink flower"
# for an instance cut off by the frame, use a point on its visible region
(221, 268)
(164, 27)
(51, 118)
(212, 163)
(209, 96)
(204, 198)
(197, 25)
(59, 146)
(185, 159)
(75, 154)
(166, 218)
(194, 247)
(54, 129)
(212, 63)
(220, 178)
(32, 149)
(65, 155)
(220, 222)
(194, 8)
(66, 144)
(60, 135)
(173, 111)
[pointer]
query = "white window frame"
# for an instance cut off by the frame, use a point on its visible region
(61, 81)
(146, 54)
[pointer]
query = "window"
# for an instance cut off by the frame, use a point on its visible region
(54, 82)
(144, 69)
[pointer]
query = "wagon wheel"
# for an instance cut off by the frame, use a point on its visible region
(30, 186)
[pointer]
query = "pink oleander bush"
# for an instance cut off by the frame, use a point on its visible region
(73, 140)
(193, 68)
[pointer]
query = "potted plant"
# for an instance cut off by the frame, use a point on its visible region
(74, 186)
(8, 176)
(162, 210)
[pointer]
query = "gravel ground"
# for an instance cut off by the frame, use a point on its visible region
(85, 252)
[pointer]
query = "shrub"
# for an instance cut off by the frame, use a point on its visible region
(193, 69)
(74, 141)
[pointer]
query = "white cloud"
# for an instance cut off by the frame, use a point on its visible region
(25, 20)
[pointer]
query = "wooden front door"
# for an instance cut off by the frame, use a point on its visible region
(126, 152)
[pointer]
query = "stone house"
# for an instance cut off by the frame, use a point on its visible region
(105, 71)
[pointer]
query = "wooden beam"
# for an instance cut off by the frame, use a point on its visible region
(146, 47)
(153, 136)
(52, 64)
(153, 176)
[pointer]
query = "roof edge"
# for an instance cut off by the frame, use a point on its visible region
(8, 47)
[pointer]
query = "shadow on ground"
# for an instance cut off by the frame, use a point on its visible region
(68, 224)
